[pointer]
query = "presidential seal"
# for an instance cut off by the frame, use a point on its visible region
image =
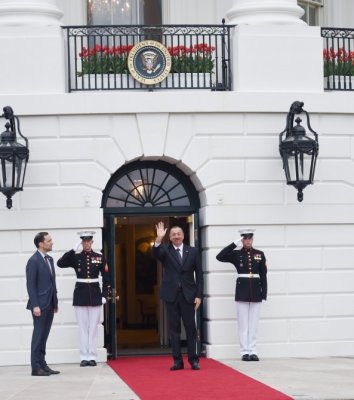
(149, 62)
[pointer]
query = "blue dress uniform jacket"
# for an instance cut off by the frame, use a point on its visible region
(87, 265)
(247, 261)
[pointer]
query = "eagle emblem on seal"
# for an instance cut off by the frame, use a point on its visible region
(149, 60)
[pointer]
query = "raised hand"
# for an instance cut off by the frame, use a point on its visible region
(77, 245)
(160, 232)
(238, 242)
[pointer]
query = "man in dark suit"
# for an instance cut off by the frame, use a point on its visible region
(42, 302)
(181, 289)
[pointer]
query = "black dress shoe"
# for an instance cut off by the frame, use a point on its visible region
(40, 372)
(92, 363)
(254, 357)
(51, 371)
(246, 357)
(195, 366)
(84, 363)
(177, 366)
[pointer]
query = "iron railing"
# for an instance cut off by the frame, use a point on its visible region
(97, 56)
(338, 58)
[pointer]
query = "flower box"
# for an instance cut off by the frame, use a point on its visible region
(197, 58)
(188, 80)
(339, 82)
(338, 68)
(106, 68)
(124, 81)
(106, 82)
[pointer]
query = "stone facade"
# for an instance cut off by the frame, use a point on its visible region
(227, 142)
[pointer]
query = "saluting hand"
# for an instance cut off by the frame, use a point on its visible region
(238, 242)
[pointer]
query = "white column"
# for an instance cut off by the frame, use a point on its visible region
(273, 49)
(265, 12)
(29, 12)
(32, 47)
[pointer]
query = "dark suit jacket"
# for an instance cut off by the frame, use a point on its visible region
(41, 285)
(177, 275)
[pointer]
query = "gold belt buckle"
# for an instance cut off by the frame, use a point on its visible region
(251, 275)
(88, 280)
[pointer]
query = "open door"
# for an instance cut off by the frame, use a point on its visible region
(194, 240)
(110, 306)
(136, 272)
(137, 321)
(137, 196)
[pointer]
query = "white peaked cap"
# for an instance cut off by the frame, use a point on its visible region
(86, 234)
(247, 231)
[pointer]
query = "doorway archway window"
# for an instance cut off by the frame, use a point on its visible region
(136, 197)
(141, 186)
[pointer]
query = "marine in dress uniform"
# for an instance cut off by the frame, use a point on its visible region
(88, 297)
(251, 289)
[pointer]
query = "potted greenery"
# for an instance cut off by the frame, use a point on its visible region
(192, 66)
(338, 68)
(107, 67)
(104, 67)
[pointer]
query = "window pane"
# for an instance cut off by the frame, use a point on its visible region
(312, 9)
(312, 16)
(147, 187)
(112, 12)
(124, 12)
(152, 12)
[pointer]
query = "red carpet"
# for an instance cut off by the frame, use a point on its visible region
(150, 378)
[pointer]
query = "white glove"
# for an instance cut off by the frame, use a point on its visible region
(238, 242)
(77, 246)
(104, 301)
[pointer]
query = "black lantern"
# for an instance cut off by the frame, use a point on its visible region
(298, 151)
(13, 157)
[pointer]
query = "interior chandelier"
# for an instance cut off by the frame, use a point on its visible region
(104, 5)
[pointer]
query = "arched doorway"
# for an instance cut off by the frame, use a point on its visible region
(137, 196)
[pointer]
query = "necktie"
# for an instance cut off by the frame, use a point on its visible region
(48, 263)
(179, 255)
